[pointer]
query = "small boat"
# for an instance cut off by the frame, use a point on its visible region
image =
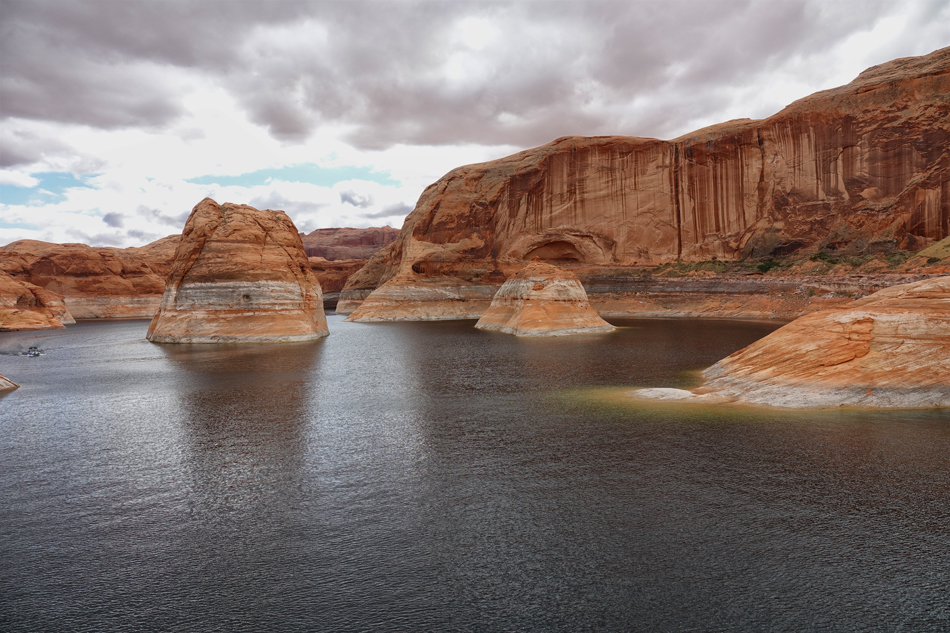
(33, 352)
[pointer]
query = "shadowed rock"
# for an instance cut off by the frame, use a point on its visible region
(239, 275)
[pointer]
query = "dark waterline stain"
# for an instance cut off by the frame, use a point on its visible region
(429, 476)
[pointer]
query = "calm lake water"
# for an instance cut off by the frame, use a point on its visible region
(433, 477)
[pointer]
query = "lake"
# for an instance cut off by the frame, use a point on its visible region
(434, 477)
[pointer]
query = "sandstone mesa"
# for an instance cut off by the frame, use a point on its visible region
(239, 275)
(857, 170)
(542, 300)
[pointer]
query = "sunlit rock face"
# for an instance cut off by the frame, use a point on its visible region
(890, 349)
(25, 306)
(858, 169)
(7, 384)
(542, 300)
(95, 282)
(239, 275)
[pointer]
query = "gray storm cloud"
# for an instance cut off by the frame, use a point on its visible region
(429, 73)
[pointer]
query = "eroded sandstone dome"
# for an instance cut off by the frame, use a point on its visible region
(890, 349)
(542, 300)
(240, 275)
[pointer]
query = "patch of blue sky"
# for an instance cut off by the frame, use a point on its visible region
(51, 188)
(306, 172)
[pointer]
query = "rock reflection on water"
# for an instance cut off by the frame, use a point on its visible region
(430, 476)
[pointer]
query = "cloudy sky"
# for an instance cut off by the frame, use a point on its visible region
(118, 116)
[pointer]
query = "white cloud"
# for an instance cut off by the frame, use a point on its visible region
(17, 179)
(138, 105)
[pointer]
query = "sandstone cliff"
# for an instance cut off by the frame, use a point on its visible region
(95, 282)
(346, 243)
(542, 300)
(239, 275)
(24, 306)
(889, 349)
(858, 169)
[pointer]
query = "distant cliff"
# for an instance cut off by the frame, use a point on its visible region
(860, 169)
(95, 282)
(346, 243)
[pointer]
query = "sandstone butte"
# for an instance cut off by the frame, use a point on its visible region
(95, 282)
(24, 306)
(890, 349)
(859, 169)
(6, 384)
(240, 275)
(542, 300)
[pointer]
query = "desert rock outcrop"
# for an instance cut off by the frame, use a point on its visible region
(414, 298)
(239, 275)
(859, 169)
(24, 306)
(6, 384)
(542, 300)
(890, 349)
(95, 282)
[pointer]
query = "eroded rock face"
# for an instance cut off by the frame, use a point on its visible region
(239, 275)
(858, 169)
(413, 298)
(542, 300)
(6, 384)
(346, 243)
(890, 349)
(24, 306)
(95, 282)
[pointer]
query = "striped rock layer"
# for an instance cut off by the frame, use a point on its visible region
(240, 275)
(542, 300)
(890, 349)
(860, 169)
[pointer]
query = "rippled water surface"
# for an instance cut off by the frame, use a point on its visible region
(433, 477)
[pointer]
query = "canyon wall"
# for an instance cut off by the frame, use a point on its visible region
(346, 243)
(859, 169)
(25, 306)
(240, 275)
(95, 282)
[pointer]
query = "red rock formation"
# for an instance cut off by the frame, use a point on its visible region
(332, 275)
(95, 282)
(542, 300)
(858, 169)
(6, 384)
(889, 349)
(239, 275)
(346, 243)
(24, 306)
